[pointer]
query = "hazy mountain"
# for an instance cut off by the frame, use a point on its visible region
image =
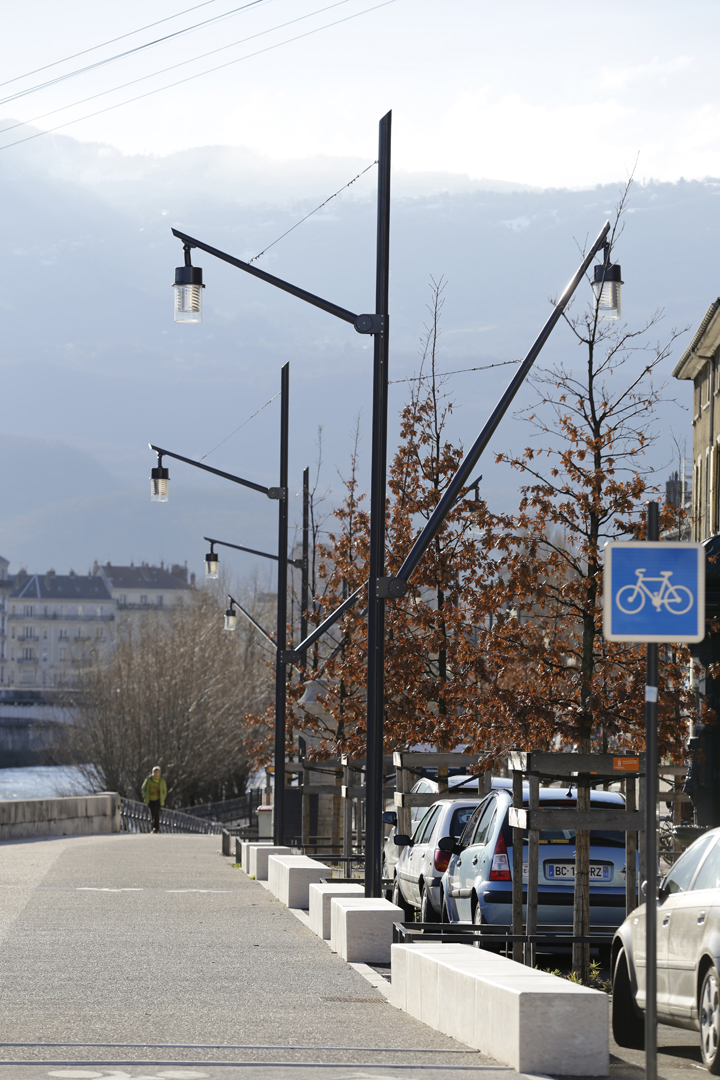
(91, 359)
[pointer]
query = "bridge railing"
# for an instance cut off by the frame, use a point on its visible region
(135, 818)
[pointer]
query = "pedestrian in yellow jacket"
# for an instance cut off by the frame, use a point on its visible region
(154, 793)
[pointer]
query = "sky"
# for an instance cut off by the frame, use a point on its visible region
(557, 94)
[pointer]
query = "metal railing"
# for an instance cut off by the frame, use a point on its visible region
(135, 817)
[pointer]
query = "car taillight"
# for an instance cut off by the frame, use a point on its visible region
(500, 869)
(441, 860)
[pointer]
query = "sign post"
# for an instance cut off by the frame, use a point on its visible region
(653, 592)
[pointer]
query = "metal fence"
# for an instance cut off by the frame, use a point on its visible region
(135, 818)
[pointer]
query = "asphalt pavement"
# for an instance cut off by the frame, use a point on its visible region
(150, 957)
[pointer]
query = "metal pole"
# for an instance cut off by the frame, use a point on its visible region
(304, 599)
(651, 801)
(281, 637)
(376, 603)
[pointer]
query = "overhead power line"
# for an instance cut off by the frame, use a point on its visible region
(190, 78)
(129, 52)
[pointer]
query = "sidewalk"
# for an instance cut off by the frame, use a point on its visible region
(159, 944)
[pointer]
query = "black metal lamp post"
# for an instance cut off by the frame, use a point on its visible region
(281, 494)
(377, 325)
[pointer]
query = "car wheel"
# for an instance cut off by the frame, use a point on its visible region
(628, 1023)
(444, 913)
(387, 893)
(710, 1020)
(427, 911)
(399, 901)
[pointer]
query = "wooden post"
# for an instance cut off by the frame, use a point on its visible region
(517, 876)
(533, 871)
(630, 850)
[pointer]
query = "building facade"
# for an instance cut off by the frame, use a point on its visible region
(700, 363)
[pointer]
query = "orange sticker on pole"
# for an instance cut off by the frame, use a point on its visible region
(626, 764)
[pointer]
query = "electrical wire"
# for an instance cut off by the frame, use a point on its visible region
(329, 199)
(130, 52)
(172, 67)
(256, 413)
(457, 371)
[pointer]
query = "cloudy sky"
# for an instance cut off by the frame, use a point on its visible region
(551, 94)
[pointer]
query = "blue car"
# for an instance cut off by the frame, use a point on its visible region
(477, 885)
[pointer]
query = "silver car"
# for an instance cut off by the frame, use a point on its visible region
(688, 954)
(421, 863)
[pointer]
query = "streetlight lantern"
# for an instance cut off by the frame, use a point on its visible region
(211, 563)
(607, 288)
(230, 617)
(188, 291)
(159, 478)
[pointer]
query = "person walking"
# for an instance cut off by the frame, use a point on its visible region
(154, 793)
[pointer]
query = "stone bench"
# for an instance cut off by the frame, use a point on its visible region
(524, 1018)
(319, 903)
(361, 928)
(257, 860)
(289, 878)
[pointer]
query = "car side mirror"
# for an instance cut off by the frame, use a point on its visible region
(402, 840)
(389, 817)
(643, 888)
(449, 843)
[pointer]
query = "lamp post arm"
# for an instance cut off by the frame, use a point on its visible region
(468, 464)
(297, 563)
(255, 623)
(327, 623)
(272, 493)
(294, 290)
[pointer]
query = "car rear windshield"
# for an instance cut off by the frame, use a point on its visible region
(598, 837)
(460, 819)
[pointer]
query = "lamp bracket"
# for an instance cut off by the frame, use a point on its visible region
(390, 588)
(288, 656)
(277, 493)
(371, 324)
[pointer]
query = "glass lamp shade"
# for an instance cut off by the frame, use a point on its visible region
(211, 565)
(188, 289)
(159, 478)
(607, 288)
(230, 619)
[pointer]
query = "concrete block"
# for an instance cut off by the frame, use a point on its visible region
(361, 928)
(245, 846)
(532, 1021)
(289, 878)
(258, 855)
(319, 897)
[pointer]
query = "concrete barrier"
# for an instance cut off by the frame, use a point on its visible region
(78, 815)
(524, 1018)
(290, 876)
(258, 855)
(319, 898)
(361, 928)
(245, 846)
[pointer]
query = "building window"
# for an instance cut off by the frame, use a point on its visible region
(63, 635)
(45, 634)
(27, 654)
(143, 599)
(99, 633)
(80, 610)
(44, 656)
(159, 601)
(12, 632)
(63, 654)
(28, 609)
(45, 610)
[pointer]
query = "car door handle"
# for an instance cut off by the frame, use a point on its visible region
(666, 920)
(474, 862)
(701, 918)
(459, 862)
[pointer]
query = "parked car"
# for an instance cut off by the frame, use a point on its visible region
(688, 955)
(421, 863)
(425, 785)
(477, 885)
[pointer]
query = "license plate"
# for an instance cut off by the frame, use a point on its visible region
(565, 871)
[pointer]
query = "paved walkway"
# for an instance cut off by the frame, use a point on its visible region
(152, 958)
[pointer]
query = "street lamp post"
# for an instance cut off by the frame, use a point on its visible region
(375, 324)
(160, 480)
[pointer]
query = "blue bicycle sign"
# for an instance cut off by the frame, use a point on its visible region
(654, 592)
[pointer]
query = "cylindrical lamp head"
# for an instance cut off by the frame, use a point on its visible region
(159, 478)
(188, 294)
(230, 619)
(607, 288)
(211, 564)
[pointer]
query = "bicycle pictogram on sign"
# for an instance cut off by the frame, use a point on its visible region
(675, 598)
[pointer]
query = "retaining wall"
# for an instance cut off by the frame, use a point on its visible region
(78, 815)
